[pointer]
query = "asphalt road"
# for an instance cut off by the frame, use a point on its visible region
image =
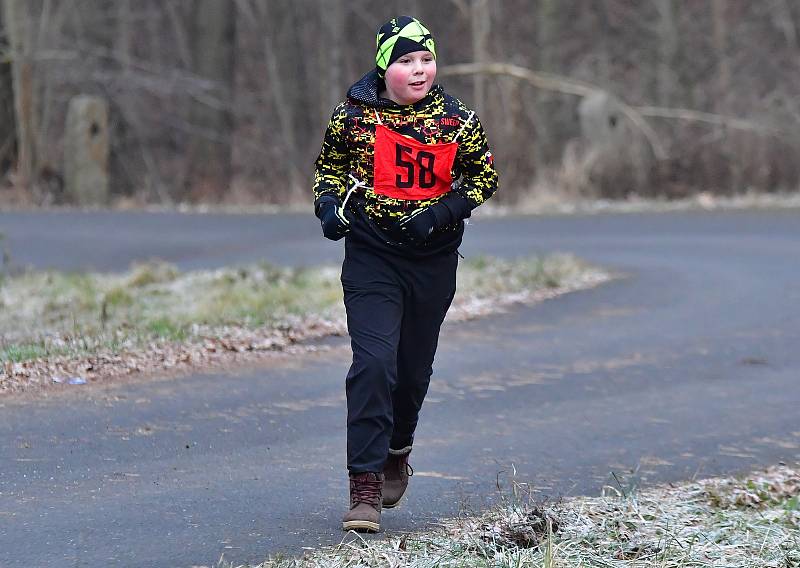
(687, 366)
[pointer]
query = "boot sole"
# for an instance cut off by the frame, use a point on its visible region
(360, 526)
(393, 505)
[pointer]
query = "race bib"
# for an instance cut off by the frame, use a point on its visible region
(410, 170)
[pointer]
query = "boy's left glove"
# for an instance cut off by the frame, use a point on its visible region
(419, 225)
(332, 217)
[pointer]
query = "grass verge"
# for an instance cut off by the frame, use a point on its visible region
(55, 325)
(751, 522)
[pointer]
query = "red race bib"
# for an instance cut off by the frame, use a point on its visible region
(411, 170)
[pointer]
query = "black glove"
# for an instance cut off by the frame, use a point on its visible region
(333, 218)
(419, 225)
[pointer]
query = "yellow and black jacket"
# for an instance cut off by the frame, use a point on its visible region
(348, 151)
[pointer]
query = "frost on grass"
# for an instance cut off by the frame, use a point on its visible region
(154, 318)
(752, 522)
(543, 200)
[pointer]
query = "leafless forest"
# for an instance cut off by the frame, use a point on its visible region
(227, 100)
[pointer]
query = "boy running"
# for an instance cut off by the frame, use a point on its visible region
(402, 165)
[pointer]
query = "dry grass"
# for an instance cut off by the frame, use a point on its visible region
(56, 325)
(751, 522)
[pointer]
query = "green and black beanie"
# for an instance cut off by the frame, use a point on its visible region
(399, 36)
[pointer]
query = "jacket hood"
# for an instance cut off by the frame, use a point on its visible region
(365, 91)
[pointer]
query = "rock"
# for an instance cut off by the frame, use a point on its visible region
(620, 156)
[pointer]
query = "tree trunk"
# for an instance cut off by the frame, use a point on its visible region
(547, 33)
(334, 22)
(284, 108)
(721, 104)
(210, 160)
(720, 40)
(782, 18)
(18, 26)
(8, 135)
(481, 27)
(604, 46)
(122, 39)
(668, 50)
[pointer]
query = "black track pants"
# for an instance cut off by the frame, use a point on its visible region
(395, 307)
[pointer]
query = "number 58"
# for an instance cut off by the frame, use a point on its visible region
(404, 159)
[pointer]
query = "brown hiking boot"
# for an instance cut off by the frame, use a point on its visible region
(396, 471)
(365, 502)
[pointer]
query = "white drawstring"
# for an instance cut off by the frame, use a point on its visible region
(356, 185)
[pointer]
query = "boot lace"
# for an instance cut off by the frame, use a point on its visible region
(409, 471)
(365, 488)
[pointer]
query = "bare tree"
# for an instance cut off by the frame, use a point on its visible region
(212, 36)
(283, 107)
(782, 16)
(547, 28)
(720, 42)
(123, 38)
(19, 30)
(333, 61)
(8, 135)
(481, 28)
(668, 50)
(210, 91)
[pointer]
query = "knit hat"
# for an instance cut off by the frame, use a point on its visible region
(399, 36)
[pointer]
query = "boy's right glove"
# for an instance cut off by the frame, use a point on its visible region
(333, 218)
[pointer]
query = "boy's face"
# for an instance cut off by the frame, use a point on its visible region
(410, 78)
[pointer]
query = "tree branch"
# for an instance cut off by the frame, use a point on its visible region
(558, 84)
(568, 86)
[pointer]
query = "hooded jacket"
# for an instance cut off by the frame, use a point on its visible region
(347, 157)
